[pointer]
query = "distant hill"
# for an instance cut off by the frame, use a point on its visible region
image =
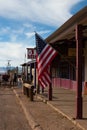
(4, 69)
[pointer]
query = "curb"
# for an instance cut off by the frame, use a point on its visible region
(59, 111)
(34, 125)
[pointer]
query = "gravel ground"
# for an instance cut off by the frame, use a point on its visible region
(11, 113)
(45, 116)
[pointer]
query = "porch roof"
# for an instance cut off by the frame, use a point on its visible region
(67, 30)
(29, 62)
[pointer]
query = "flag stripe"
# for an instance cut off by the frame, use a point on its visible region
(46, 74)
(45, 63)
(46, 51)
(46, 78)
(42, 83)
(45, 55)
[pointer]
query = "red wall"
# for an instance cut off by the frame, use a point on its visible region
(64, 83)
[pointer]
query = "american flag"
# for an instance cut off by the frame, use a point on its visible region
(45, 55)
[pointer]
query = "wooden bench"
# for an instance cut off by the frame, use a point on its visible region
(28, 90)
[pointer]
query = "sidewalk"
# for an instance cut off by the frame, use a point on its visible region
(64, 102)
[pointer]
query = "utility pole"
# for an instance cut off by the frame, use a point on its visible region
(8, 66)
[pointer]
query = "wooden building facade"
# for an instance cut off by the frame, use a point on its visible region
(69, 68)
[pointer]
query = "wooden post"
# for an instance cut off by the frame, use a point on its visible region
(34, 74)
(26, 72)
(50, 93)
(79, 71)
(38, 89)
(31, 93)
(50, 86)
(30, 71)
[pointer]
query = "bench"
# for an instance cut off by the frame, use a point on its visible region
(28, 90)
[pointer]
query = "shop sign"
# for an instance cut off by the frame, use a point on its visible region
(72, 52)
(31, 53)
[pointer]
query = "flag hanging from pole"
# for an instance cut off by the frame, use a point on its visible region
(45, 55)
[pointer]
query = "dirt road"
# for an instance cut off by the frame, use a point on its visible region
(12, 116)
(11, 113)
(45, 116)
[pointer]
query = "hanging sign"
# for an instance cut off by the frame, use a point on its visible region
(72, 52)
(31, 53)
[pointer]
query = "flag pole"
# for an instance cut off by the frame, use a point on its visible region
(44, 70)
(50, 91)
(38, 86)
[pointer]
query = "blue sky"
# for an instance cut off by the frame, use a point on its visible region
(20, 18)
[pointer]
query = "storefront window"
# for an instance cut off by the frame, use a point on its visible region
(64, 70)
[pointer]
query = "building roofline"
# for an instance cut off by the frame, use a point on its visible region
(79, 18)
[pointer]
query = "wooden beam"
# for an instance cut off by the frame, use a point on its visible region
(79, 109)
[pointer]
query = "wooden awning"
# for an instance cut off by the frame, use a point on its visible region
(67, 30)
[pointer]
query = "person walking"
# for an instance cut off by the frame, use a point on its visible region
(0, 79)
(20, 81)
(15, 79)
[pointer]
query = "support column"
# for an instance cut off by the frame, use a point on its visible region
(50, 92)
(79, 71)
(50, 87)
(34, 74)
(26, 72)
(30, 70)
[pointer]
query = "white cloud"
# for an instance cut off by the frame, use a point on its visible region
(4, 30)
(31, 34)
(30, 26)
(12, 51)
(50, 12)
